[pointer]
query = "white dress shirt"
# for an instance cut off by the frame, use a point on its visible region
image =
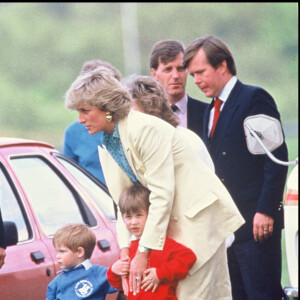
(223, 96)
(181, 112)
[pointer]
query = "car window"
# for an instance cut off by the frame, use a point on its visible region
(11, 208)
(54, 203)
(101, 198)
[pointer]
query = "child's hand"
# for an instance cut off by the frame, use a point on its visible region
(151, 280)
(121, 267)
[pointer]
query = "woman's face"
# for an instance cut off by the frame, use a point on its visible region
(93, 118)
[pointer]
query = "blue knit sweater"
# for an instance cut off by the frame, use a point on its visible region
(83, 148)
(80, 283)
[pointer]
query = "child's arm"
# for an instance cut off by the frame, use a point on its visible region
(51, 291)
(116, 271)
(121, 267)
(178, 260)
(181, 260)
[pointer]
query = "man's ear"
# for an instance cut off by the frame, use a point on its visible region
(223, 66)
(80, 252)
(153, 73)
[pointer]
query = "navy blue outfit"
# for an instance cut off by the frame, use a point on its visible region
(80, 283)
(256, 184)
(195, 111)
(83, 148)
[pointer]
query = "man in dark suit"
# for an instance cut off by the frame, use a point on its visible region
(2, 242)
(166, 67)
(255, 182)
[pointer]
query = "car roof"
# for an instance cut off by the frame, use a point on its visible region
(12, 141)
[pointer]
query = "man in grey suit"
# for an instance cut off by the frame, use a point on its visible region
(166, 67)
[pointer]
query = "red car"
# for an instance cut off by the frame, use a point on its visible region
(41, 190)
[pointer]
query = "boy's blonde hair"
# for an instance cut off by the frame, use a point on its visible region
(74, 236)
(133, 199)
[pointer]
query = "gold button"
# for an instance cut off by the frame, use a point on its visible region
(224, 153)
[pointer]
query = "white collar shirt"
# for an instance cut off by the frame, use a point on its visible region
(223, 96)
(182, 111)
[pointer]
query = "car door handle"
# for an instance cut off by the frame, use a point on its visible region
(103, 245)
(37, 256)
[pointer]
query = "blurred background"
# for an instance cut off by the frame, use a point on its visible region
(44, 45)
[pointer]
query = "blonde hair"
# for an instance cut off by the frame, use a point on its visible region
(151, 97)
(93, 64)
(74, 236)
(133, 199)
(101, 89)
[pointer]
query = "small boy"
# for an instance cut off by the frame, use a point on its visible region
(79, 279)
(165, 267)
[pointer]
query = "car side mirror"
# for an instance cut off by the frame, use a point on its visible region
(264, 135)
(10, 233)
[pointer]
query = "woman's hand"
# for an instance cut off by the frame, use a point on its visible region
(137, 267)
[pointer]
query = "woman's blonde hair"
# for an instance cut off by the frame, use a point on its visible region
(74, 236)
(99, 88)
(150, 96)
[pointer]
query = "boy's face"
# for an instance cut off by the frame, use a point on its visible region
(66, 258)
(135, 222)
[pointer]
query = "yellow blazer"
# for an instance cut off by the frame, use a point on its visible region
(188, 201)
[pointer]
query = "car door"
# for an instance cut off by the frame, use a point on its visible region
(54, 198)
(28, 265)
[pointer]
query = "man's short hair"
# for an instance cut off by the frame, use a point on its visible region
(216, 52)
(164, 52)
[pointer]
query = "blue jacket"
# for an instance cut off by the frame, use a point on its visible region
(80, 283)
(83, 148)
(255, 182)
(195, 111)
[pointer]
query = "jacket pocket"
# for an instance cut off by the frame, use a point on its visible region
(204, 202)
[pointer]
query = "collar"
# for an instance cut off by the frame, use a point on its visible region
(106, 136)
(227, 89)
(134, 238)
(85, 264)
(182, 104)
(116, 131)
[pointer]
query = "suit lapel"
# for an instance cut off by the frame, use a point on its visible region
(189, 114)
(225, 118)
(115, 177)
(129, 151)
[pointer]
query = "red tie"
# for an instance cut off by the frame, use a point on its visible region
(217, 106)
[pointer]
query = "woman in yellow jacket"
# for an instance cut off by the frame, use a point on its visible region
(188, 202)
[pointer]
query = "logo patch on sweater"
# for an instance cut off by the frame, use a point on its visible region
(83, 288)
